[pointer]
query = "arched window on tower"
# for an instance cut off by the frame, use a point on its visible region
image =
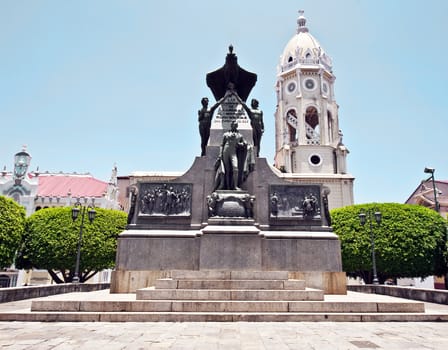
(308, 57)
(312, 126)
(330, 126)
(291, 120)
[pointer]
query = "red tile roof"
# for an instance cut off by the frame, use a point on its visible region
(60, 185)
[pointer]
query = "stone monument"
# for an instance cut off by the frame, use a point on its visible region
(230, 210)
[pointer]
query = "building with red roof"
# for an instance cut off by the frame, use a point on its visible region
(36, 190)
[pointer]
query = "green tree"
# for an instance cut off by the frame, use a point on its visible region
(12, 224)
(51, 242)
(411, 241)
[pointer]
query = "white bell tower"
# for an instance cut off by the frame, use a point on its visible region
(309, 145)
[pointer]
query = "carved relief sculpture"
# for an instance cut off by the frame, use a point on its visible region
(172, 199)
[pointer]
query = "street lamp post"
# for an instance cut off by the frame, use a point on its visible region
(78, 207)
(431, 171)
(363, 219)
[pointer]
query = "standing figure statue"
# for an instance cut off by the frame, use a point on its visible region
(274, 204)
(256, 121)
(325, 194)
(133, 193)
(205, 116)
(233, 159)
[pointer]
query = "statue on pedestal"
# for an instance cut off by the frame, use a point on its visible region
(256, 121)
(205, 116)
(235, 160)
(231, 86)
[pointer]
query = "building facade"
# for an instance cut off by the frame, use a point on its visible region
(425, 195)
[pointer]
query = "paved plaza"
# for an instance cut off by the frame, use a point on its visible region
(221, 335)
(211, 335)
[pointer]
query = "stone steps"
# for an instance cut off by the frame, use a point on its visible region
(216, 294)
(225, 296)
(219, 317)
(209, 285)
(228, 275)
(223, 306)
(169, 283)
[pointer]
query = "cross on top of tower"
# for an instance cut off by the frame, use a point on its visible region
(301, 22)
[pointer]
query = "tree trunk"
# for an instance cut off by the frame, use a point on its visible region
(88, 275)
(55, 277)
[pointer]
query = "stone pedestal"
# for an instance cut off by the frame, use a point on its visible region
(145, 255)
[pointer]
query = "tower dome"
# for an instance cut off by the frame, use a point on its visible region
(303, 48)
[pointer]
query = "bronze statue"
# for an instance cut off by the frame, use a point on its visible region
(309, 205)
(133, 194)
(325, 194)
(248, 202)
(212, 200)
(274, 204)
(256, 121)
(205, 116)
(233, 164)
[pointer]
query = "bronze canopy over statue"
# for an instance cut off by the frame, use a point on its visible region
(242, 80)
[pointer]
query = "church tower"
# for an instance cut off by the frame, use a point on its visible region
(309, 145)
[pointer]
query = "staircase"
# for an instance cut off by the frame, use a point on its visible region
(229, 296)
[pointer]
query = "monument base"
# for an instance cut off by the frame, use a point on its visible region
(188, 224)
(146, 255)
(130, 281)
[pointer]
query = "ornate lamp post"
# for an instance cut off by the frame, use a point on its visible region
(21, 163)
(431, 171)
(363, 217)
(78, 207)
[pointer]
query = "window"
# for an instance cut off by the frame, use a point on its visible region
(315, 159)
(291, 120)
(312, 126)
(330, 126)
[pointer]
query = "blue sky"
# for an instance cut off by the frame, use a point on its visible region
(87, 84)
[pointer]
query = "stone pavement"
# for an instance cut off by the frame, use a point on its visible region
(221, 335)
(212, 335)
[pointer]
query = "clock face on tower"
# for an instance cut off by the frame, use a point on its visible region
(310, 84)
(291, 87)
